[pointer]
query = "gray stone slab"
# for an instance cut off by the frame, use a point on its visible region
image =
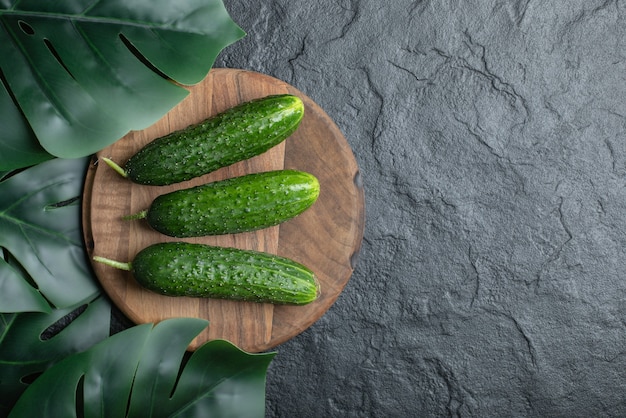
(492, 140)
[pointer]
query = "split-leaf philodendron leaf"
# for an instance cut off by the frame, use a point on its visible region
(40, 229)
(141, 372)
(24, 353)
(75, 76)
(16, 291)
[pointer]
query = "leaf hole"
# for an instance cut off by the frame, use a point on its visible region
(10, 259)
(26, 28)
(183, 364)
(30, 378)
(56, 56)
(80, 398)
(133, 50)
(4, 83)
(61, 204)
(62, 323)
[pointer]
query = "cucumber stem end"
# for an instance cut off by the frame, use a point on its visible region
(117, 264)
(115, 167)
(138, 215)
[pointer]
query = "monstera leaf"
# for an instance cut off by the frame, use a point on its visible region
(17, 293)
(141, 372)
(77, 75)
(26, 350)
(40, 229)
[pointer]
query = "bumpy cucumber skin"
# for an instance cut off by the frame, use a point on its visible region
(198, 270)
(239, 133)
(234, 205)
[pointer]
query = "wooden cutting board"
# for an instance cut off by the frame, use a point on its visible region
(326, 238)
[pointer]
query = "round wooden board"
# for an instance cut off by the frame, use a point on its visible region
(326, 237)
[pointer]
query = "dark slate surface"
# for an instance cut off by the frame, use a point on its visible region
(491, 136)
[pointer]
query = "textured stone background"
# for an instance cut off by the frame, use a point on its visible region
(492, 140)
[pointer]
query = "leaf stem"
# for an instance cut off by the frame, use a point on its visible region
(113, 263)
(138, 215)
(115, 167)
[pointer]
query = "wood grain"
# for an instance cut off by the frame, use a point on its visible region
(326, 237)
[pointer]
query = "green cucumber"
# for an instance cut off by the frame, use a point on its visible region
(237, 134)
(239, 204)
(198, 270)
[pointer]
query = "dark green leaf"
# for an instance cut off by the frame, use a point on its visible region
(16, 292)
(43, 233)
(18, 144)
(83, 73)
(135, 373)
(24, 355)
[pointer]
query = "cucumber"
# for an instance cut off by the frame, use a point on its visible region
(237, 134)
(198, 270)
(238, 204)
